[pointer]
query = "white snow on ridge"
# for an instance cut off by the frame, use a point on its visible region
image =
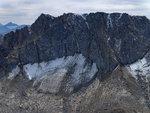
(77, 64)
(140, 68)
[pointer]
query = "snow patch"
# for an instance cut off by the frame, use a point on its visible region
(14, 73)
(120, 16)
(118, 45)
(83, 17)
(82, 71)
(37, 70)
(87, 25)
(140, 68)
(109, 21)
(50, 74)
(77, 62)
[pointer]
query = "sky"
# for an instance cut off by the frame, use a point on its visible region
(27, 11)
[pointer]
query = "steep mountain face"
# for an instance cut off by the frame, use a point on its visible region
(63, 55)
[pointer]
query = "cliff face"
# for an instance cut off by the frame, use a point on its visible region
(118, 33)
(61, 55)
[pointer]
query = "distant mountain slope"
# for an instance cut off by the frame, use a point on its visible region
(9, 27)
(3, 29)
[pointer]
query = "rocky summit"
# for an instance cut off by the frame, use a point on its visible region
(90, 63)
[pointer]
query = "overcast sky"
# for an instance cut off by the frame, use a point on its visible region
(26, 11)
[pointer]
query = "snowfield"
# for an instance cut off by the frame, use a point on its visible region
(140, 68)
(76, 68)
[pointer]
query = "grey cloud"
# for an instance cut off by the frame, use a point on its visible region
(131, 2)
(29, 2)
(7, 6)
(26, 11)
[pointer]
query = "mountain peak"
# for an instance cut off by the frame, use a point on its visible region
(42, 23)
(11, 24)
(46, 15)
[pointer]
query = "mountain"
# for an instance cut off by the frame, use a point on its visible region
(88, 63)
(9, 27)
(0, 24)
(3, 29)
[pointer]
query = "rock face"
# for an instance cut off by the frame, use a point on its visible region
(62, 55)
(109, 38)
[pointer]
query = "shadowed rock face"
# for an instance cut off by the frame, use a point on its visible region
(105, 39)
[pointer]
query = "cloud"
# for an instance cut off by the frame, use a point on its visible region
(26, 11)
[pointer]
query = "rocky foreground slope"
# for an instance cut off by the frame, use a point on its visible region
(91, 63)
